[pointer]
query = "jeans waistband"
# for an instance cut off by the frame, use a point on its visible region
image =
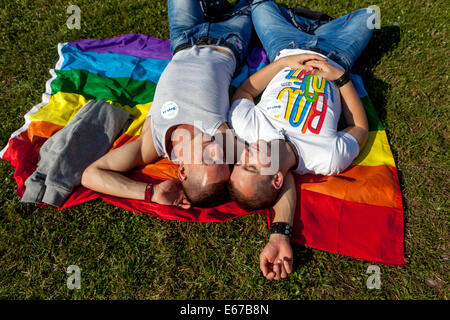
(318, 51)
(209, 42)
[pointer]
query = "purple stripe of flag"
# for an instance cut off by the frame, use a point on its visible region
(255, 57)
(133, 44)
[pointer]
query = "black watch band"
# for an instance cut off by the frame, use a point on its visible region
(342, 80)
(282, 228)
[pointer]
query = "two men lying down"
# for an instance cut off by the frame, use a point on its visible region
(293, 128)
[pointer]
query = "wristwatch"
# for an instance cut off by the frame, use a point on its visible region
(281, 228)
(342, 80)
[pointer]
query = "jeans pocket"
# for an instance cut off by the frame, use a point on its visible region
(236, 41)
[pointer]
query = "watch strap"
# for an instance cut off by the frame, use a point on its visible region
(148, 192)
(342, 80)
(281, 228)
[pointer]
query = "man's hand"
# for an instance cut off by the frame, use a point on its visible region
(325, 70)
(300, 61)
(170, 192)
(276, 258)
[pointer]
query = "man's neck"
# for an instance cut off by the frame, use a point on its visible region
(176, 143)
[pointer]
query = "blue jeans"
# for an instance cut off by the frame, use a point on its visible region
(342, 39)
(188, 27)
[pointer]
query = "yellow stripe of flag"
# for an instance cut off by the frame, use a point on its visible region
(376, 151)
(63, 106)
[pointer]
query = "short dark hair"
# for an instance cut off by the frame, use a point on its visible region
(209, 196)
(264, 197)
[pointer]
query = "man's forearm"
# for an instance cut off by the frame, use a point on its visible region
(113, 183)
(354, 111)
(354, 114)
(256, 83)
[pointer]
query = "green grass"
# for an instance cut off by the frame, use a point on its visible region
(125, 255)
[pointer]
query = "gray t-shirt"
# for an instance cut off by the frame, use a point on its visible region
(193, 89)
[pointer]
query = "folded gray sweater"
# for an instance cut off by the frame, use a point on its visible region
(67, 153)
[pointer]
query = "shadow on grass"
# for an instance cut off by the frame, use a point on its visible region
(383, 41)
(302, 255)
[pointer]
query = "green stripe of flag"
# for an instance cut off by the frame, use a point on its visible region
(372, 117)
(125, 91)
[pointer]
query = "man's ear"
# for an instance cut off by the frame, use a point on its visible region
(182, 172)
(277, 181)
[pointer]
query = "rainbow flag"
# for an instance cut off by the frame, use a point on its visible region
(357, 213)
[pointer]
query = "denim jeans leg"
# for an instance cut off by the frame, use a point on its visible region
(346, 37)
(185, 17)
(274, 29)
(235, 31)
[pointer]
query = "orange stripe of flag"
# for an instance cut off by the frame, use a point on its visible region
(376, 185)
(42, 129)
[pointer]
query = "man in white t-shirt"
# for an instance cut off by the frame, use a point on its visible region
(294, 126)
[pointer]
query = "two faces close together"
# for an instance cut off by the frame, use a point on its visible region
(219, 168)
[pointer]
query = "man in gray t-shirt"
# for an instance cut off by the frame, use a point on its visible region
(187, 120)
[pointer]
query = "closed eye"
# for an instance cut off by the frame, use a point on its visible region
(251, 168)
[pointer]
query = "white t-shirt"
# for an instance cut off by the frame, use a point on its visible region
(309, 121)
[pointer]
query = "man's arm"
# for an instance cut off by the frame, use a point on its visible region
(352, 108)
(256, 83)
(277, 257)
(354, 114)
(106, 175)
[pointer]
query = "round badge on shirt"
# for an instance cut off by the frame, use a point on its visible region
(169, 110)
